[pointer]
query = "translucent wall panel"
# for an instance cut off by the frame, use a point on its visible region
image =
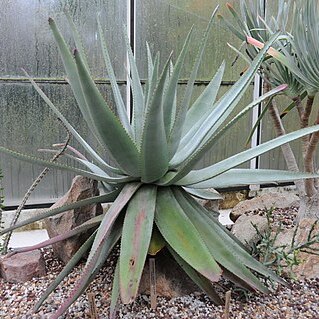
(235, 138)
(164, 25)
(28, 124)
(28, 42)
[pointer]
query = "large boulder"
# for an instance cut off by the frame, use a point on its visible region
(308, 266)
(22, 267)
(309, 263)
(171, 280)
(81, 188)
(245, 229)
(265, 201)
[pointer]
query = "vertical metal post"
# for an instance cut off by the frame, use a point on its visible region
(256, 138)
(131, 33)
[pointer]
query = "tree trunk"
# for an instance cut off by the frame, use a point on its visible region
(309, 207)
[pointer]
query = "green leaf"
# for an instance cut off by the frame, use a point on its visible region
(137, 231)
(157, 242)
(154, 152)
(202, 106)
(115, 291)
(120, 106)
(176, 132)
(170, 93)
(233, 161)
(92, 267)
(84, 227)
(197, 144)
(106, 198)
(72, 74)
(34, 160)
(207, 143)
(240, 177)
(66, 270)
(180, 233)
(216, 241)
(137, 92)
(77, 136)
(258, 122)
(203, 193)
(110, 130)
(121, 201)
(199, 280)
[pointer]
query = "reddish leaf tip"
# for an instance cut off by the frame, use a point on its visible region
(229, 6)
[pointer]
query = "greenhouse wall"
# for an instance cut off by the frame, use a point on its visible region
(27, 124)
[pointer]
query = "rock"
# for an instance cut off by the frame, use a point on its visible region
(171, 280)
(309, 266)
(81, 188)
(265, 201)
(23, 267)
(244, 230)
(284, 238)
(231, 199)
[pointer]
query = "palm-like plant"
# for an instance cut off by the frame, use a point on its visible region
(296, 61)
(153, 181)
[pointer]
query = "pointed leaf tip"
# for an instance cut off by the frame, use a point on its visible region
(229, 5)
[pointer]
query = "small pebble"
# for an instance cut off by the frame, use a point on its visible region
(297, 301)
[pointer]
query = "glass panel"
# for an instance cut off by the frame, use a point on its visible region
(28, 124)
(164, 25)
(275, 159)
(235, 138)
(29, 43)
(233, 141)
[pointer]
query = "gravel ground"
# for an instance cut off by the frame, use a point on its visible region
(297, 300)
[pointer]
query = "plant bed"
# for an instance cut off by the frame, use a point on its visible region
(297, 300)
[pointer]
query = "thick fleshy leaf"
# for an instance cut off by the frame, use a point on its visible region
(100, 246)
(137, 231)
(106, 198)
(210, 140)
(230, 244)
(137, 93)
(65, 271)
(108, 126)
(120, 106)
(170, 92)
(215, 242)
(201, 175)
(202, 106)
(285, 60)
(34, 160)
(76, 135)
(115, 297)
(204, 193)
(121, 201)
(176, 132)
(86, 226)
(181, 234)
(240, 177)
(154, 152)
(157, 242)
(202, 282)
(72, 74)
(197, 145)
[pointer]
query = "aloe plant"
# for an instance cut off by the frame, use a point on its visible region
(153, 182)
